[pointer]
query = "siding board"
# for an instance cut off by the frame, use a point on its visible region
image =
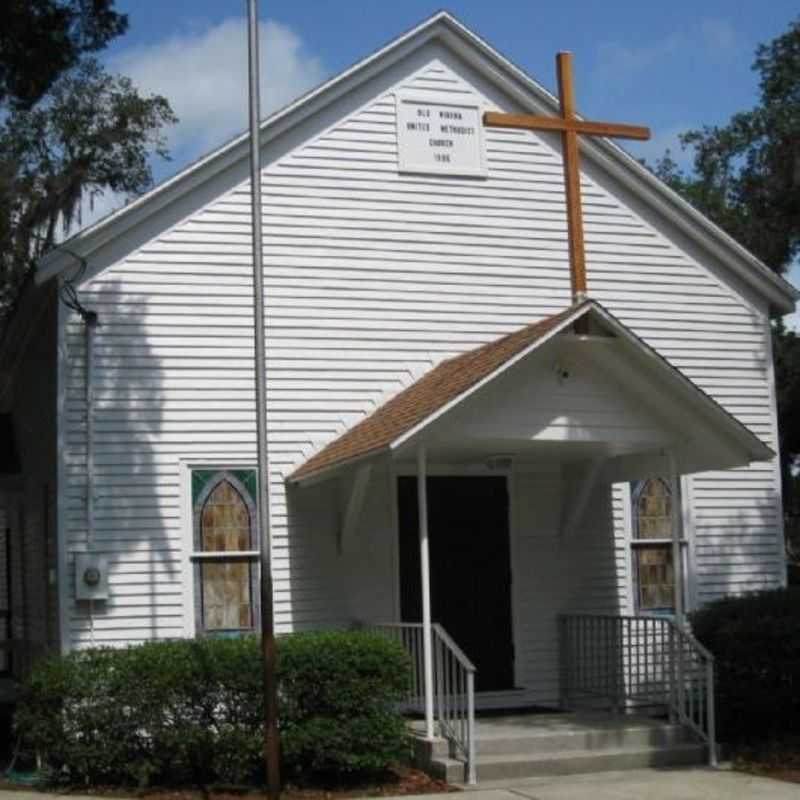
(372, 277)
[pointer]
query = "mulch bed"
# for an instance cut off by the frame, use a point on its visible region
(775, 758)
(398, 781)
(788, 775)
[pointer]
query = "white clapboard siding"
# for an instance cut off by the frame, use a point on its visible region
(371, 277)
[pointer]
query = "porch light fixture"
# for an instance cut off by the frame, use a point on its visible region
(562, 372)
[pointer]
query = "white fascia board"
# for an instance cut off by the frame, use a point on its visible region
(90, 239)
(625, 168)
(512, 80)
(584, 308)
(746, 439)
(331, 470)
(675, 209)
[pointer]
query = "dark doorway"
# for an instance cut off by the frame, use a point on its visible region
(470, 569)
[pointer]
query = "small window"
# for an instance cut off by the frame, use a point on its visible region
(225, 551)
(651, 547)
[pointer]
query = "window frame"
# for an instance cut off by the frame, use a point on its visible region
(635, 543)
(198, 556)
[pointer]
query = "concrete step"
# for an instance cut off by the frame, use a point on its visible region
(570, 762)
(551, 741)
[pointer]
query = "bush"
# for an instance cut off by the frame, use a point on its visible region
(192, 711)
(755, 640)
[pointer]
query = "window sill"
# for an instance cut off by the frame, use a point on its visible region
(226, 554)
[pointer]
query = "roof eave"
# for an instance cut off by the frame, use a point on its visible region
(780, 293)
(581, 308)
(90, 239)
(678, 210)
(310, 477)
(748, 443)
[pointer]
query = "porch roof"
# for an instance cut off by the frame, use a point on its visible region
(449, 383)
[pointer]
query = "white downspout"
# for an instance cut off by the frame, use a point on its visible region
(89, 381)
(424, 560)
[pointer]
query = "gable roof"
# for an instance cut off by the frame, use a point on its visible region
(432, 392)
(453, 380)
(530, 95)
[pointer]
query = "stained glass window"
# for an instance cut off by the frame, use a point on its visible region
(225, 550)
(653, 570)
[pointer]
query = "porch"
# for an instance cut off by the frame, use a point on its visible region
(539, 744)
(478, 523)
(636, 692)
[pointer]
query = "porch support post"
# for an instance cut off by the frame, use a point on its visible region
(424, 560)
(677, 536)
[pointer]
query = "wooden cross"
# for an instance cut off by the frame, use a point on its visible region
(570, 126)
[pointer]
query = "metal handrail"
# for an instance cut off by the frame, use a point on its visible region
(635, 662)
(453, 686)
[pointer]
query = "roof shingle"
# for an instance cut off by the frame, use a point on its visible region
(434, 390)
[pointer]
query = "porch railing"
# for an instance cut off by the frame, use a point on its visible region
(629, 662)
(453, 686)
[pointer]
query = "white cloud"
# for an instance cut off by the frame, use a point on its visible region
(718, 35)
(615, 60)
(203, 73)
(618, 61)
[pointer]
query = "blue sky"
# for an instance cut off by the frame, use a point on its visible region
(671, 66)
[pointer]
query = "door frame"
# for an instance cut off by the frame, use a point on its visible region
(466, 471)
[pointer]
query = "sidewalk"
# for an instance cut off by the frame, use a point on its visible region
(700, 783)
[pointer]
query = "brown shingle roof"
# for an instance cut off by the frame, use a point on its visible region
(434, 390)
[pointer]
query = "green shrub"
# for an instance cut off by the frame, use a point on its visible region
(755, 640)
(192, 711)
(338, 691)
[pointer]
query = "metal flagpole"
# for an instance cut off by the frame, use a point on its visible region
(271, 740)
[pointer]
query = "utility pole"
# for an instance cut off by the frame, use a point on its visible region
(271, 740)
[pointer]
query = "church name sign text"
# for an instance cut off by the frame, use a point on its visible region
(440, 137)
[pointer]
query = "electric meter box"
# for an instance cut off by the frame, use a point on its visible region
(91, 577)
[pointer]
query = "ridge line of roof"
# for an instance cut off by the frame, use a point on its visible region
(615, 157)
(635, 166)
(238, 141)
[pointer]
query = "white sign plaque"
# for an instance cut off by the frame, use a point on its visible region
(441, 137)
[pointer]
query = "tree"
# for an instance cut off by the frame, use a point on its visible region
(90, 132)
(41, 39)
(746, 174)
(746, 177)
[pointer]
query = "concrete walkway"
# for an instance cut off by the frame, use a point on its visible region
(700, 783)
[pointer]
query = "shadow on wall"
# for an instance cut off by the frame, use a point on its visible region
(739, 553)
(309, 594)
(136, 486)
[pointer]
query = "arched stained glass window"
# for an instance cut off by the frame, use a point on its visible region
(651, 545)
(225, 550)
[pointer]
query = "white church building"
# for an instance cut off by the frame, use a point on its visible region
(597, 466)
